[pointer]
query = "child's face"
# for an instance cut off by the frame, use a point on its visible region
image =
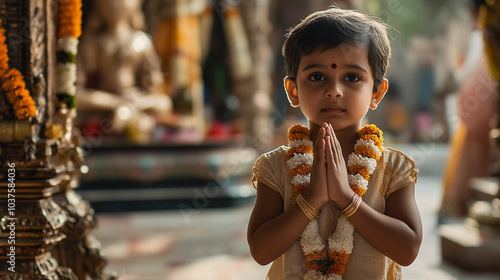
(335, 86)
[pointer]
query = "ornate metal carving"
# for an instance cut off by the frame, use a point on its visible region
(52, 223)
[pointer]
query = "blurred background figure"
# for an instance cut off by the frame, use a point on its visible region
(470, 154)
(118, 72)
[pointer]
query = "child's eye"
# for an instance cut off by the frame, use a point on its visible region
(316, 77)
(352, 78)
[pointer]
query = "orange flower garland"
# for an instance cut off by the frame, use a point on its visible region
(328, 262)
(12, 83)
(4, 57)
(70, 18)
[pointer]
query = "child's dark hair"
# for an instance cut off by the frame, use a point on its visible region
(330, 28)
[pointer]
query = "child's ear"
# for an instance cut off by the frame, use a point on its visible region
(379, 94)
(291, 91)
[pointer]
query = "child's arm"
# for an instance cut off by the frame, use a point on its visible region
(397, 233)
(271, 231)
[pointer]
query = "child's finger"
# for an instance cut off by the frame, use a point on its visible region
(338, 150)
(335, 146)
(321, 135)
(329, 128)
(321, 152)
(329, 152)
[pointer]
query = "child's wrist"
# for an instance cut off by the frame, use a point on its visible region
(315, 200)
(344, 199)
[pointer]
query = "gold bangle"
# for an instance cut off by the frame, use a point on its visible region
(310, 214)
(304, 210)
(355, 207)
(351, 206)
(353, 199)
(308, 210)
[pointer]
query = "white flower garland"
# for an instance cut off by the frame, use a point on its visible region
(342, 240)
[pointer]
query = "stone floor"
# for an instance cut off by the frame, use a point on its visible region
(210, 244)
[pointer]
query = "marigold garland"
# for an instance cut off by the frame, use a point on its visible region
(299, 150)
(12, 83)
(329, 262)
(69, 29)
(358, 190)
(4, 57)
(301, 170)
(70, 18)
(361, 170)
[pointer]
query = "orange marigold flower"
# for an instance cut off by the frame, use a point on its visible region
(298, 132)
(316, 256)
(360, 191)
(375, 140)
(345, 257)
(370, 129)
(13, 95)
(70, 19)
(12, 79)
(339, 268)
(25, 112)
(367, 152)
(24, 101)
(300, 189)
(342, 257)
(4, 58)
(301, 170)
(358, 169)
(304, 149)
(14, 86)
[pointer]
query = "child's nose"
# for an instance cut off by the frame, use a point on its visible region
(333, 91)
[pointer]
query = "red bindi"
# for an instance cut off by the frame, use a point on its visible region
(334, 66)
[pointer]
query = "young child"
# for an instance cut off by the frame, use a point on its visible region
(349, 212)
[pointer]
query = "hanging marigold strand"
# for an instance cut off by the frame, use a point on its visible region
(70, 18)
(4, 57)
(12, 83)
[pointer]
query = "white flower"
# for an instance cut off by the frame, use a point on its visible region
(342, 240)
(314, 275)
(334, 277)
(68, 44)
(357, 180)
(300, 142)
(310, 240)
(370, 144)
(299, 159)
(66, 78)
(369, 163)
(301, 179)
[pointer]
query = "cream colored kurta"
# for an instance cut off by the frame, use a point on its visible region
(394, 171)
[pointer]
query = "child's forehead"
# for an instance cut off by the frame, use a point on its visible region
(344, 52)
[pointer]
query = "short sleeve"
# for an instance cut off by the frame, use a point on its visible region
(266, 170)
(404, 173)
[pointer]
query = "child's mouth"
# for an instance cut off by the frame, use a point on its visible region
(333, 110)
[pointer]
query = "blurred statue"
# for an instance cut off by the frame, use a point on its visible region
(119, 72)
